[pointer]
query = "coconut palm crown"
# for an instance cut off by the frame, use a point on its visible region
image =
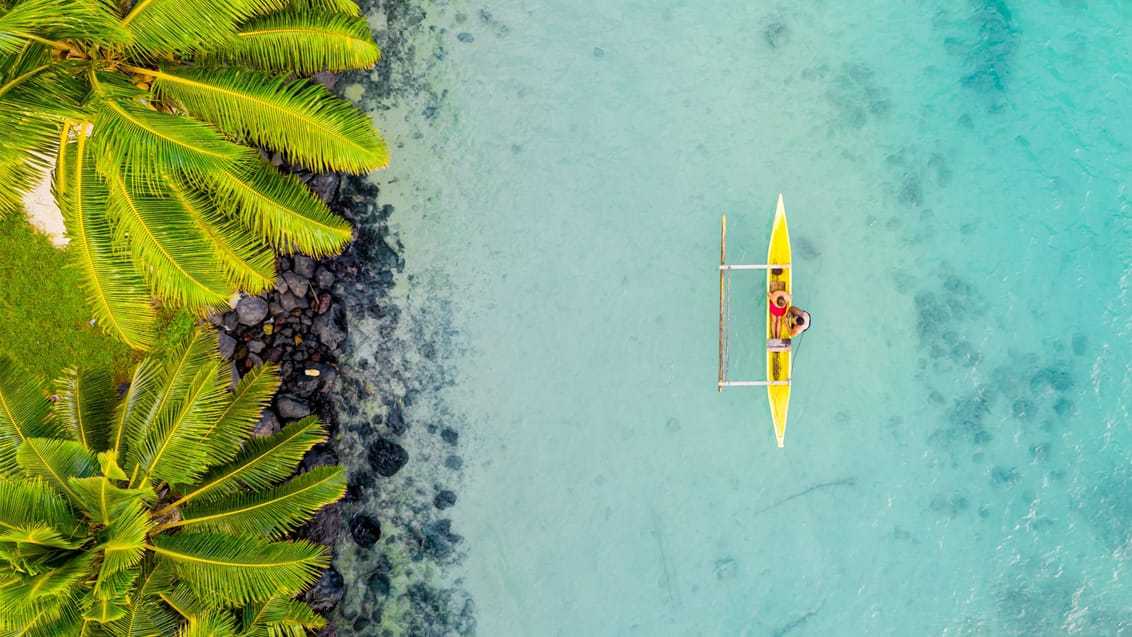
(158, 513)
(156, 116)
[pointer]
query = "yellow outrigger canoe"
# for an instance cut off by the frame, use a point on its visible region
(778, 356)
(778, 362)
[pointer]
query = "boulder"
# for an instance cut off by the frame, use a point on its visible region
(302, 265)
(325, 185)
(387, 457)
(327, 592)
(365, 530)
(268, 424)
(250, 310)
(291, 407)
(444, 500)
(330, 328)
(296, 284)
(323, 278)
(227, 345)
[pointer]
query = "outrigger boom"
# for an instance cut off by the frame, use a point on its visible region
(778, 349)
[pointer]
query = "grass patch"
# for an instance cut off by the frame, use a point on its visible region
(44, 320)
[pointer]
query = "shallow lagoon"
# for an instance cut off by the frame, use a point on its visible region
(955, 179)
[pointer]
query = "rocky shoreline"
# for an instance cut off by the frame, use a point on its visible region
(352, 351)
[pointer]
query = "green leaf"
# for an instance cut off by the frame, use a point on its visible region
(117, 293)
(173, 449)
(146, 143)
(262, 463)
(160, 26)
(147, 615)
(134, 410)
(299, 42)
(270, 513)
(23, 411)
(86, 401)
(57, 461)
(213, 624)
(30, 600)
(322, 132)
(30, 502)
(279, 617)
(179, 376)
(48, 616)
(88, 22)
(241, 570)
(123, 547)
(348, 7)
(104, 501)
(247, 262)
(168, 245)
(279, 208)
(246, 403)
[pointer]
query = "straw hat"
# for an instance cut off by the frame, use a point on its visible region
(780, 298)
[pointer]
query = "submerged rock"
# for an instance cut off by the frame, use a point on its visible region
(387, 457)
(365, 530)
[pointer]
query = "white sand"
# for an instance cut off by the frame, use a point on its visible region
(44, 214)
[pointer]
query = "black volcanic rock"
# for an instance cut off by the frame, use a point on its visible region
(387, 457)
(365, 530)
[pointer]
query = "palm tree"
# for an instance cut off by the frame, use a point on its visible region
(159, 513)
(154, 113)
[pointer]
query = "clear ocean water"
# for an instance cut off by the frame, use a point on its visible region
(958, 459)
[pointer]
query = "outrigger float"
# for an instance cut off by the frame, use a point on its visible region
(778, 349)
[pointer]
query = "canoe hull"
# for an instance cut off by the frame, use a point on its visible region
(778, 363)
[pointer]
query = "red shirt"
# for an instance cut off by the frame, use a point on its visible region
(775, 310)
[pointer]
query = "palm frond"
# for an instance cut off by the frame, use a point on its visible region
(118, 295)
(173, 251)
(123, 547)
(91, 23)
(303, 120)
(209, 625)
(28, 600)
(270, 513)
(110, 598)
(146, 143)
(173, 448)
(279, 617)
(104, 501)
(348, 7)
(38, 616)
(23, 411)
(240, 570)
(133, 410)
(167, 384)
(262, 463)
(247, 262)
(279, 208)
(56, 462)
(147, 615)
(246, 403)
(31, 502)
(159, 26)
(297, 42)
(85, 404)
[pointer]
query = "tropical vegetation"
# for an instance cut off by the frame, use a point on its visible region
(157, 513)
(156, 118)
(44, 320)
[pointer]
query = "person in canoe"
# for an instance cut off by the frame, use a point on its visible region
(778, 302)
(797, 321)
(784, 314)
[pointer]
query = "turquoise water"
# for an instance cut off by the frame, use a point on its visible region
(957, 459)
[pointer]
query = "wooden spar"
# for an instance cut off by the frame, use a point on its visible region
(722, 260)
(772, 266)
